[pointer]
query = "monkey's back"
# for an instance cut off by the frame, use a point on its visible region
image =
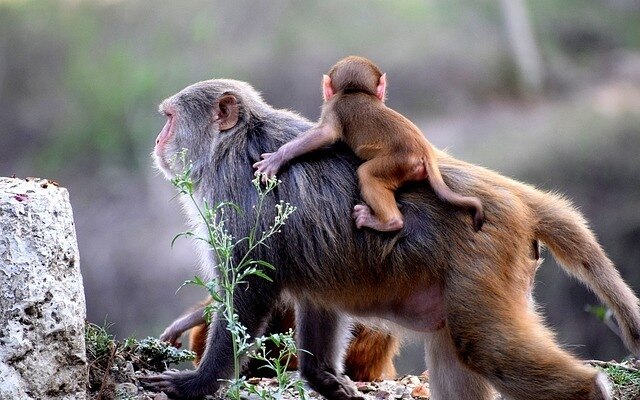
(371, 129)
(436, 270)
(319, 251)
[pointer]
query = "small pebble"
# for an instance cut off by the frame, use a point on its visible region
(126, 388)
(420, 391)
(364, 387)
(129, 368)
(401, 392)
(382, 395)
(414, 380)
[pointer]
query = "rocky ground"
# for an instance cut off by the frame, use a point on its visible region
(116, 367)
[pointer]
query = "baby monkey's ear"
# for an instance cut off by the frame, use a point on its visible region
(327, 89)
(381, 90)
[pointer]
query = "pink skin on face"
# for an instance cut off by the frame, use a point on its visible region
(165, 134)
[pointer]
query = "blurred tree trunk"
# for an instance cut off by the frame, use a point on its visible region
(523, 46)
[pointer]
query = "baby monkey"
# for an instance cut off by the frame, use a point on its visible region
(393, 149)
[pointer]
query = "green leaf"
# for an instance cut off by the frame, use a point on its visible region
(229, 204)
(187, 233)
(262, 275)
(264, 264)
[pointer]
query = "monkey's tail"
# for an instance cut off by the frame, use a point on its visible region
(565, 231)
(444, 193)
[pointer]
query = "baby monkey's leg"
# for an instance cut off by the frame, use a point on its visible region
(381, 212)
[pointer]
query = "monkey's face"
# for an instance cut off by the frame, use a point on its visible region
(182, 137)
(165, 142)
(195, 117)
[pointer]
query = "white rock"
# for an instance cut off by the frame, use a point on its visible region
(126, 390)
(42, 307)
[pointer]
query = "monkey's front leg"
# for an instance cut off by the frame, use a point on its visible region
(253, 306)
(314, 138)
(321, 337)
(178, 327)
(205, 380)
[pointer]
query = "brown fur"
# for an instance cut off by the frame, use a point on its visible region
(394, 150)
(468, 294)
(198, 341)
(370, 355)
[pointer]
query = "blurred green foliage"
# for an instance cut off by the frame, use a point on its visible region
(80, 80)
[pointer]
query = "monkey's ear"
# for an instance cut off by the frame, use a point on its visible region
(327, 90)
(381, 90)
(227, 112)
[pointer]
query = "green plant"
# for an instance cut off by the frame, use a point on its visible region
(156, 354)
(625, 377)
(149, 353)
(98, 342)
(277, 363)
(232, 272)
(111, 362)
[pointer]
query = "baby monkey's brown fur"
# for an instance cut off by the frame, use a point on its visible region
(394, 150)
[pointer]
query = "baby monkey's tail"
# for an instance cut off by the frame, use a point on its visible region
(470, 203)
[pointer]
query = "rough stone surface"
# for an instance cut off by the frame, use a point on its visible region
(42, 307)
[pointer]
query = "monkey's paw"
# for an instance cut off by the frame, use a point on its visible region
(268, 166)
(362, 214)
(334, 386)
(172, 337)
(188, 385)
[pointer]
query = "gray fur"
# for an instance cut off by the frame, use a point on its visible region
(323, 186)
(331, 268)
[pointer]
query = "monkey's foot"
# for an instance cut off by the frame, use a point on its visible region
(365, 218)
(188, 385)
(333, 386)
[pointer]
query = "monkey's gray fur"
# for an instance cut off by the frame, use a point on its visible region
(491, 338)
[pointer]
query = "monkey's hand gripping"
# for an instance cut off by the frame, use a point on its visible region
(269, 165)
(172, 337)
(187, 385)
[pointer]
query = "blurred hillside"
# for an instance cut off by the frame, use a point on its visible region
(80, 82)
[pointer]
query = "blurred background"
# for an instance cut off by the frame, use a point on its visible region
(544, 91)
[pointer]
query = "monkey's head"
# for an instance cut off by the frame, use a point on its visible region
(198, 117)
(357, 74)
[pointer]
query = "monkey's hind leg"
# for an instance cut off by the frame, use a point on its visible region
(198, 341)
(501, 338)
(370, 355)
(320, 335)
(448, 377)
(381, 212)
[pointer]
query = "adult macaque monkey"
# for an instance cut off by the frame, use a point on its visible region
(467, 294)
(369, 355)
(394, 149)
